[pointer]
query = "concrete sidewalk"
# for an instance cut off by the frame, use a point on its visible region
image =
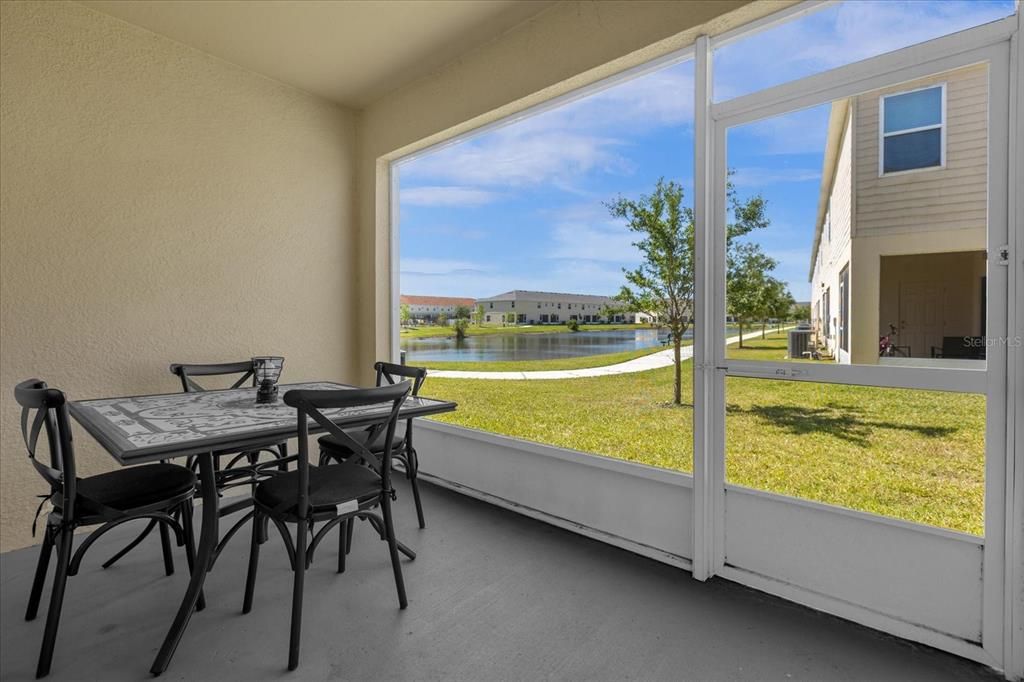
(653, 361)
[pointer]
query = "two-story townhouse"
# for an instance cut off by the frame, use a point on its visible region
(900, 235)
(430, 308)
(542, 307)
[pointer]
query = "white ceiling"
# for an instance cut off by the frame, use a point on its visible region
(349, 51)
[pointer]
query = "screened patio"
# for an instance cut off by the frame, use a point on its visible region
(206, 183)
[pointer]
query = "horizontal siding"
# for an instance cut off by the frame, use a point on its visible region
(971, 185)
(948, 198)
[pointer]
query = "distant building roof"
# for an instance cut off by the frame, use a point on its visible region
(435, 300)
(520, 294)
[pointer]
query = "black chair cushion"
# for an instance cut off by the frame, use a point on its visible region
(329, 485)
(137, 486)
(333, 445)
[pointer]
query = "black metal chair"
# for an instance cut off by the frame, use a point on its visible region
(187, 373)
(402, 448)
(156, 492)
(961, 347)
(237, 472)
(335, 493)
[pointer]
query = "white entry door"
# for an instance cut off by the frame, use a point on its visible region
(922, 317)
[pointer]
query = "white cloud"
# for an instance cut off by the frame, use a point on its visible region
(841, 34)
(835, 36)
(561, 146)
(658, 99)
(433, 195)
(452, 231)
(865, 28)
(587, 232)
(520, 157)
(752, 177)
(798, 132)
(573, 275)
(439, 266)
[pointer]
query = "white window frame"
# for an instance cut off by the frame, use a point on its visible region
(941, 125)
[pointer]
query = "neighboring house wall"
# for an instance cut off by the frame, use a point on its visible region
(544, 311)
(432, 307)
(834, 247)
(893, 211)
(876, 215)
(953, 197)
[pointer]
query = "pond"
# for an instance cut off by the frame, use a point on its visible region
(530, 346)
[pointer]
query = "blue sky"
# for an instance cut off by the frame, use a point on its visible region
(522, 206)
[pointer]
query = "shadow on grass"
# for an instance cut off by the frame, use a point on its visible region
(846, 422)
(669, 404)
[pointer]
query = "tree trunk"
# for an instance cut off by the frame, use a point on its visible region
(741, 334)
(762, 329)
(677, 394)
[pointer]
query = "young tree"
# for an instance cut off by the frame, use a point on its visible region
(462, 312)
(663, 284)
(479, 314)
(461, 324)
(510, 318)
(442, 319)
(748, 284)
(780, 303)
(609, 312)
(404, 314)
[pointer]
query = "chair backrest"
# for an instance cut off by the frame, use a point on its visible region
(42, 406)
(310, 404)
(391, 373)
(186, 372)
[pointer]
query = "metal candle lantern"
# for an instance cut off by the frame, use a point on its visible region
(267, 370)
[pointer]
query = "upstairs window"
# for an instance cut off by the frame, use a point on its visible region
(913, 130)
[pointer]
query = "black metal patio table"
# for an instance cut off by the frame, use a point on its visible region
(139, 429)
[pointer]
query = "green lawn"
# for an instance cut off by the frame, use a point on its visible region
(558, 363)
(914, 455)
(434, 331)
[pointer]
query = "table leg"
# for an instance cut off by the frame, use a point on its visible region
(204, 556)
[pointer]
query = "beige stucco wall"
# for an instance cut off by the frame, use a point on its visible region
(565, 47)
(158, 205)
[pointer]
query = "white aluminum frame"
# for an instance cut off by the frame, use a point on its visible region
(708, 484)
(990, 44)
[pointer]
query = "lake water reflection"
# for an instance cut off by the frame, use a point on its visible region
(529, 346)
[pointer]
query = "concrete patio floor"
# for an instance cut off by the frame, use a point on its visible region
(493, 596)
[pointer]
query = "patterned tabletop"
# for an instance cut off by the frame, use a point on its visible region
(136, 428)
